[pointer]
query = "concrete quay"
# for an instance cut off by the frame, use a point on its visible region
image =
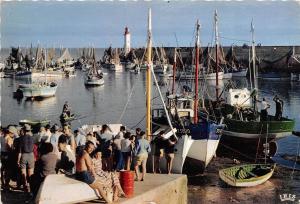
(159, 189)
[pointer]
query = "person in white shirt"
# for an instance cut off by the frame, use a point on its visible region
(264, 110)
(119, 162)
(126, 150)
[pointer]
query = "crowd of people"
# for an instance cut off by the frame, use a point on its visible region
(93, 157)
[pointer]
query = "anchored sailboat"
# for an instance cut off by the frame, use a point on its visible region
(43, 90)
(93, 77)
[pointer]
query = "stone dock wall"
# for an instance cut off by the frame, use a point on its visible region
(268, 57)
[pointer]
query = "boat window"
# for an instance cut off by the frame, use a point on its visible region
(236, 96)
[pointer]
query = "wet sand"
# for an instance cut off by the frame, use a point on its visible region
(208, 188)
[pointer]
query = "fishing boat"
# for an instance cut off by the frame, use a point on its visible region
(93, 77)
(203, 135)
(162, 65)
(241, 116)
(236, 68)
(240, 72)
(42, 90)
(22, 75)
(115, 64)
(247, 175)
(203, 75)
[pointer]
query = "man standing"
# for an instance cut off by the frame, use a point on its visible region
(141, 152)
(264, 110)
(26, 156)
(279, 107)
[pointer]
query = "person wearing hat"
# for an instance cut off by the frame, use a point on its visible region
(6, 155)
(26, 156)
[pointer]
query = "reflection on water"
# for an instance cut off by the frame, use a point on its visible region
(105, 104)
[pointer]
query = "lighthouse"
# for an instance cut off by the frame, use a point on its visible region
(126, 41)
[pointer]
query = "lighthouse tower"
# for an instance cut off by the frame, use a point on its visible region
(126, 41)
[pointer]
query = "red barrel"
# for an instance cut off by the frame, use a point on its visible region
(127, 182)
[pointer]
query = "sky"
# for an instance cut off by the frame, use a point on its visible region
(101, 24)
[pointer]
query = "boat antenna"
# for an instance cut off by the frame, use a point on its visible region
(148, 77)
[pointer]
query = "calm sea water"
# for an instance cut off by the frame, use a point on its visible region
(122, 100)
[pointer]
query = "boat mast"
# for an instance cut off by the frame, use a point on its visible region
(254, 71)
(197, 45)
(46, 65)
(148, 78)
(174, 71)
(217, 63)
(253, 56)
(94, 63)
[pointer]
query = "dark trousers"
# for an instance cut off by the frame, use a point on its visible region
(119, 160)
(263, 115)
(278, 115)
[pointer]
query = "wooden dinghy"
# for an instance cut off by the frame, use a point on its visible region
(247, 175)
(34, 122)
(58, 188)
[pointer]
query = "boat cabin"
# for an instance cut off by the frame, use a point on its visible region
(238, 97)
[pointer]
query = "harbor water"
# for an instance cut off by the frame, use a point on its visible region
(122, 100)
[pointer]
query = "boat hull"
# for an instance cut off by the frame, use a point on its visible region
(23, 75)
(206, 140)
(191, 76)
(94, 82)
(39, 91)
(227, 75)
(258, 129)
(242, 73)
(58, 188)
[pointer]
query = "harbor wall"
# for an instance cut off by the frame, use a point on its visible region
(269, 58)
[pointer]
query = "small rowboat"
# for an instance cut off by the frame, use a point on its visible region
(247, 175)
(34, 123)
(58, 188)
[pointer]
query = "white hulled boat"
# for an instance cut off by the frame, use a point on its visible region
(43, 89)
(93, 77)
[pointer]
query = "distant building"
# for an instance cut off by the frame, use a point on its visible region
(126, 41)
